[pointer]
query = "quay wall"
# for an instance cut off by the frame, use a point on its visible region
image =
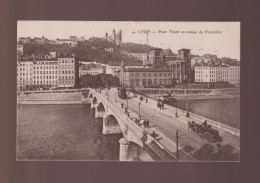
(57, 97)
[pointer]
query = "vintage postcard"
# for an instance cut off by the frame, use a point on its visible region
(128, 91)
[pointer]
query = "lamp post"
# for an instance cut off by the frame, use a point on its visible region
(139, 114)
(176, 114)
(187, 104)
(177, 145)
(126, 102)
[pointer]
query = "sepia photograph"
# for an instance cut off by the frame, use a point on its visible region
(157, 91)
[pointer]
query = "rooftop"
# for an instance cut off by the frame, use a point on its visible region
(184, 49)
(168, 52)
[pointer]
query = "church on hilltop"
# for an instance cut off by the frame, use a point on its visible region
(115, 37)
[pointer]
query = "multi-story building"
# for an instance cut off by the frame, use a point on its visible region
(41, 40)
(181, 67)
(139, 78)
(113, 69)
(45, 74)
(156, 57)
(168, 55)
(75, 38)
(67, 41)
(91, 68)
(67, 72)
(24, 75)
(24, 40)
(234, 74)
(20, 49)
(143, 56)
(209, 74)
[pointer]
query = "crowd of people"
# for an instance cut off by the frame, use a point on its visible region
(146, 122)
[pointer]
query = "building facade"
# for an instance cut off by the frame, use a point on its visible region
(210, 74)
(181, 66)
(24, 75)
(234, 75)
(143, 56)
(46, 74)
(66, 72)
(156, 57)
(67, 41)
(113, 70)
(91, 68)
(140, 78)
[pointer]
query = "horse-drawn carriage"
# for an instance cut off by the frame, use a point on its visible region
(205, 131)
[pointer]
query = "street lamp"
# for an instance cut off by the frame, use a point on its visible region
(176, 114)
(187, 104)
(126, 102)
(115, 97)
(139, 110)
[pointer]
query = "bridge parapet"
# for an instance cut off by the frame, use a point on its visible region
(219, 125)
(134, 133)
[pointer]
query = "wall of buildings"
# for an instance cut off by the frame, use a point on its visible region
(140, 78)
(45, 74)
(208, 74)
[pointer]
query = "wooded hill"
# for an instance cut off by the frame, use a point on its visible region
(92, 49)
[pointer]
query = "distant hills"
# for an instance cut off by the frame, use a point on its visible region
(93, 49)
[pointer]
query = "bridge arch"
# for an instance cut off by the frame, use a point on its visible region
(111, 125)
(101, 107)
(95, 101)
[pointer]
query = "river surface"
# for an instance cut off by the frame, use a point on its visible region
(226, 111)
(70, 132)
(63, 132)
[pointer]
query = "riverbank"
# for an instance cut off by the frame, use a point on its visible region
(54, 97)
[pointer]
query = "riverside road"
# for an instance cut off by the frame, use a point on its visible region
(165, 122)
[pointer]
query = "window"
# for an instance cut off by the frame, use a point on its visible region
(144, 82)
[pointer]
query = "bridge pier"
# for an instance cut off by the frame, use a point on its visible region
(110, 126)
(131, 152)
(99, 114)
(92, 104)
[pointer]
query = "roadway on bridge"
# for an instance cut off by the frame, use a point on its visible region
(164, 123)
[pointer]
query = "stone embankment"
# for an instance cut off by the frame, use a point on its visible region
(57, 97)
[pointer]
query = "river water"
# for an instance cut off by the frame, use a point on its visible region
(226, 111)
(70, 132)
(63, 132)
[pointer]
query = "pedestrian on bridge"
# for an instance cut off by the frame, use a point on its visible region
(146, 100)
(147, 123)
(122, 105)
(144, 123)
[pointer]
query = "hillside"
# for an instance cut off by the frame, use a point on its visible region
(91, 50)
(132, 47)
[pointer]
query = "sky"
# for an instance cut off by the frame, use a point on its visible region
(219, 38)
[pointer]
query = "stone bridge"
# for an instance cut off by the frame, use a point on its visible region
(136, 144)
